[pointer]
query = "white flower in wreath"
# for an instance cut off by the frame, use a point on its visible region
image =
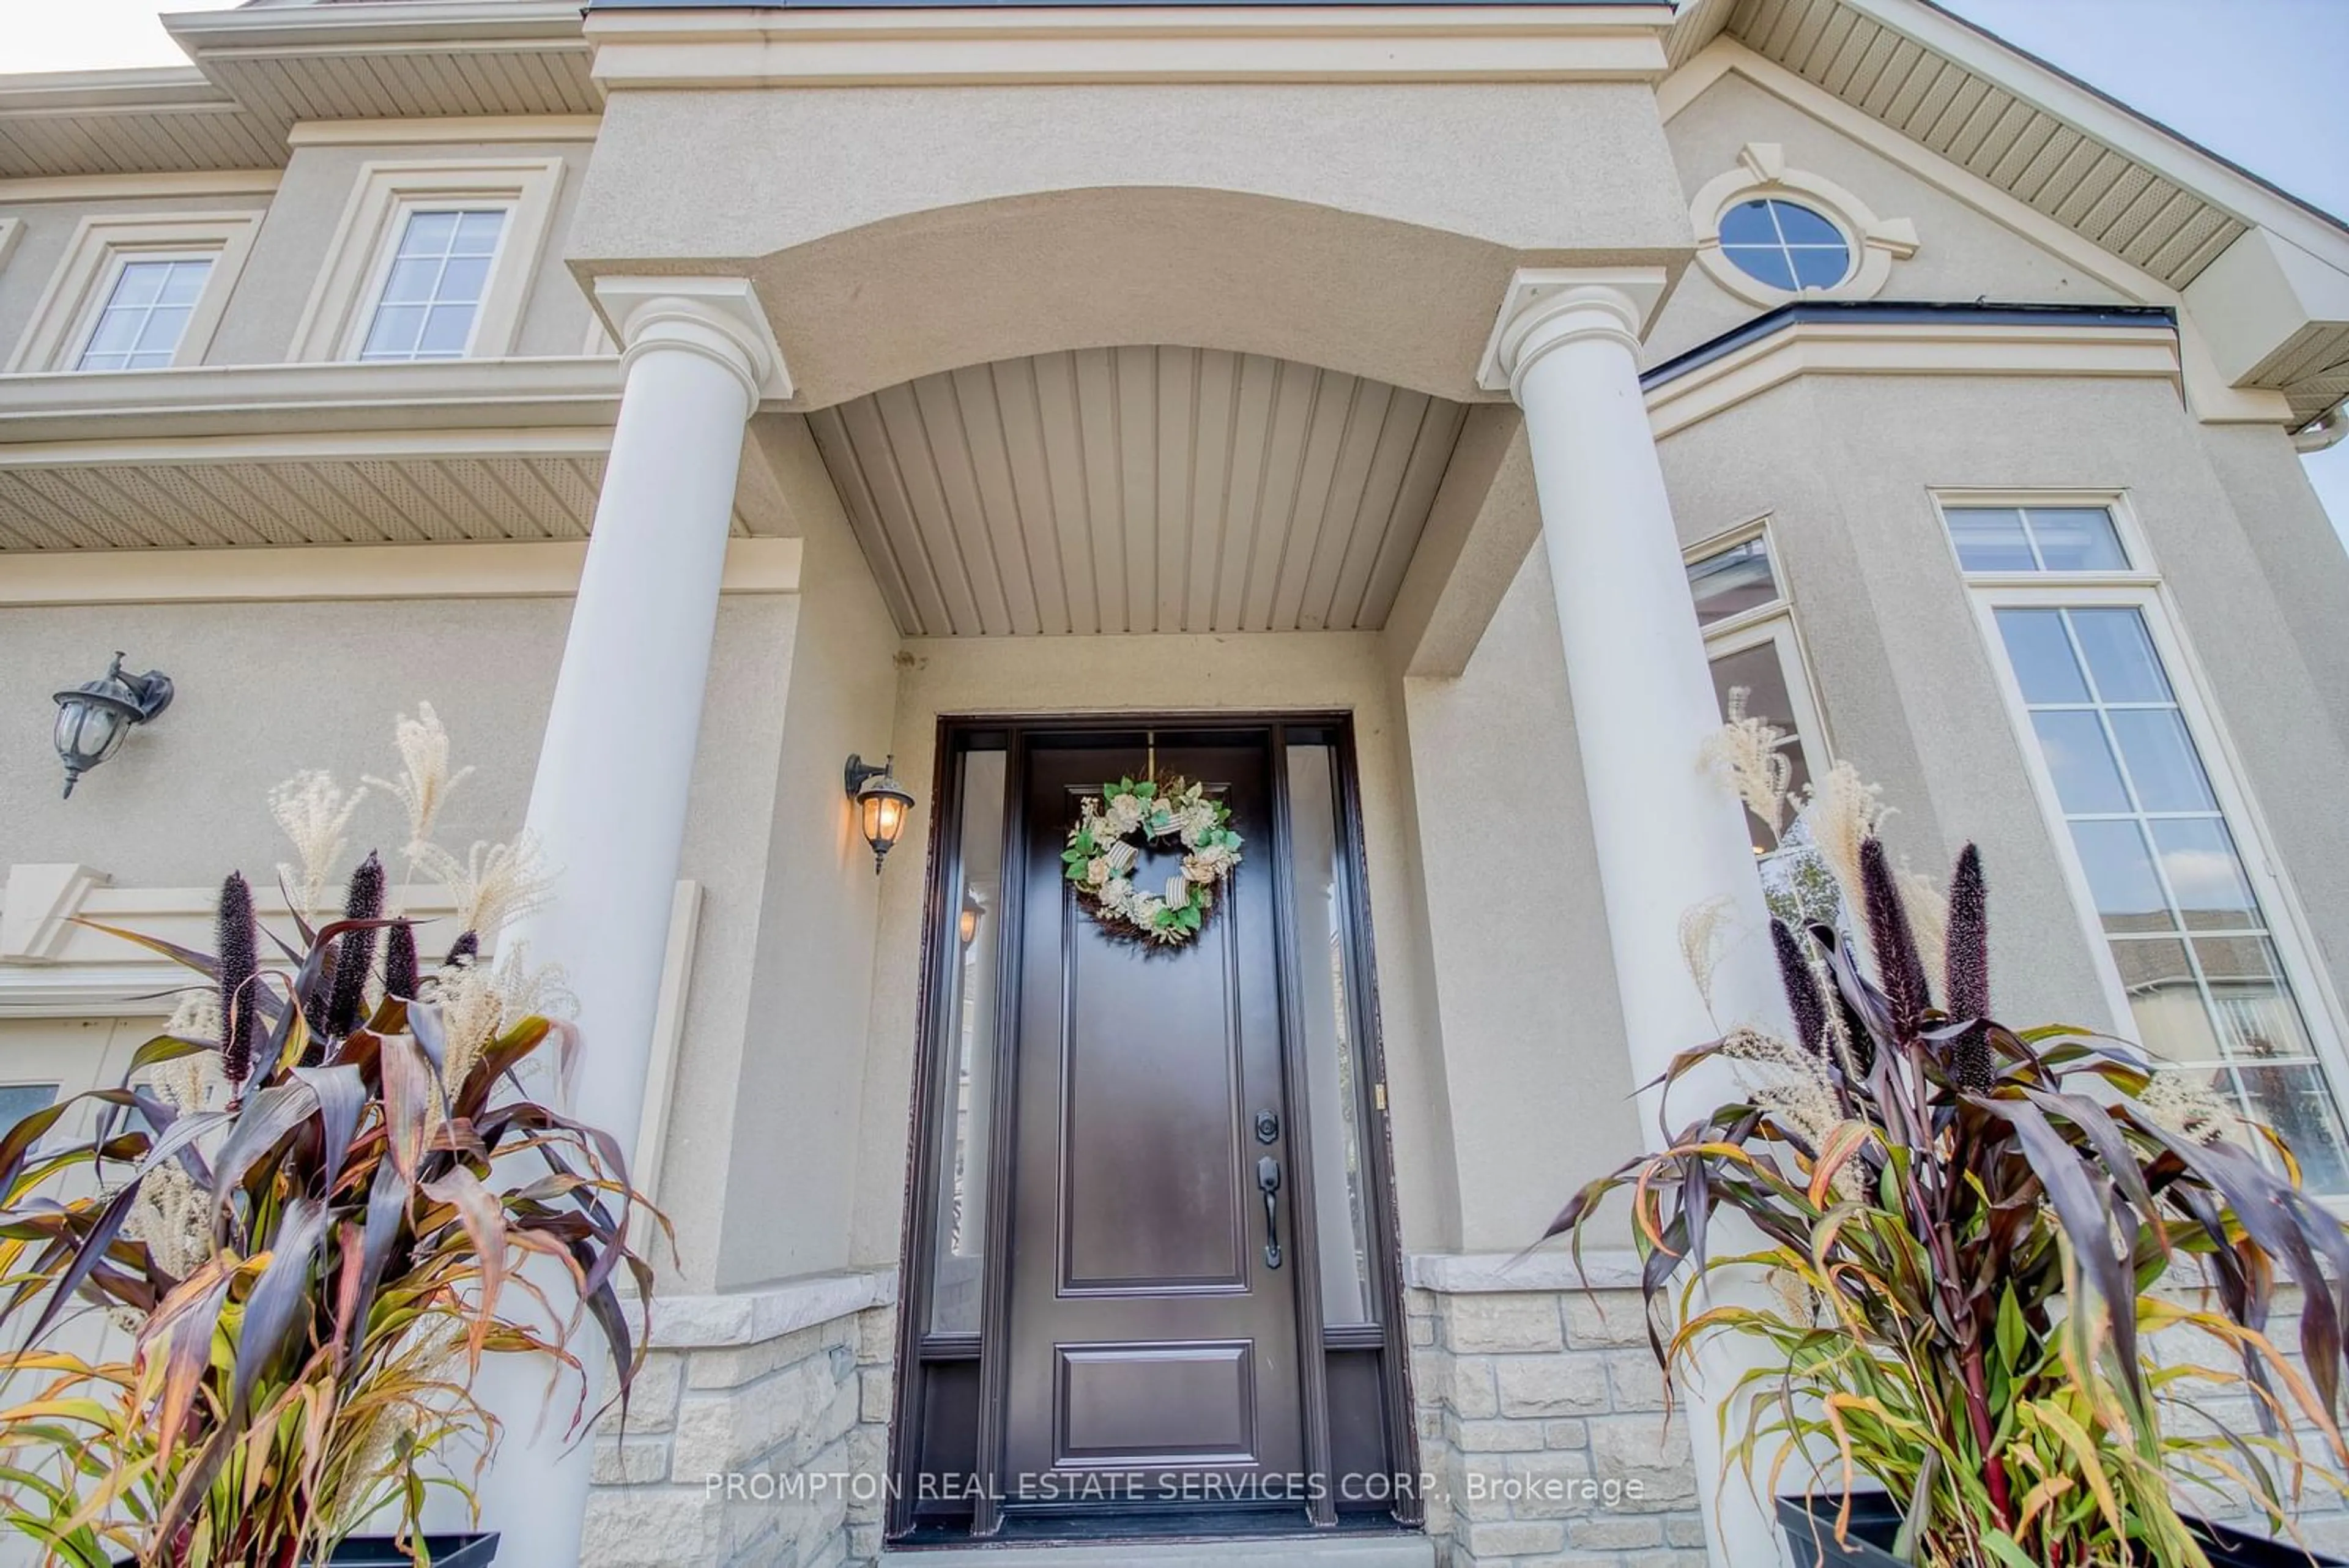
(1097, 870)
(1125, 813)
(1117, 894)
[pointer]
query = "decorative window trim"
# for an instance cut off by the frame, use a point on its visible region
(102, 243)
(1761, 174)
(341, 308)
(2142, 589)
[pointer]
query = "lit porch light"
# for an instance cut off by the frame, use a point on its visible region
(881, 804)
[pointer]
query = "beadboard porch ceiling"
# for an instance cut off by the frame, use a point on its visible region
(1146, 489)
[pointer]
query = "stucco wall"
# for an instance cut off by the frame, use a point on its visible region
(292, 251)
(1845, 466)
(1366, 228)
(1962, 255)
(787, 1080)
(265, 690)
(1538, 1084)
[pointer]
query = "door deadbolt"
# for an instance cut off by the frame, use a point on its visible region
(1267, 1127)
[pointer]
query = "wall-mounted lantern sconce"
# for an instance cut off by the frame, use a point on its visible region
(94, 717)
(974, 910)
(881, 804)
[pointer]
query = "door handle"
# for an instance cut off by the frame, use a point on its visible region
(1267, 1181)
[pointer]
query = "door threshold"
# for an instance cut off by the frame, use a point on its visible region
(1395, 1549)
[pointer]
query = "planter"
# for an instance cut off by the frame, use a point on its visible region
(379, 1552)
(1810, 1526)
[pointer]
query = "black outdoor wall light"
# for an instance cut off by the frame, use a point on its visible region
(94, 717)
(881, 804)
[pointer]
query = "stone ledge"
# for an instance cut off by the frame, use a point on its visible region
(768, 1312)
(1485, 1273)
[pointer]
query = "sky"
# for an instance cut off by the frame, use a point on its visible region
(2254, 80)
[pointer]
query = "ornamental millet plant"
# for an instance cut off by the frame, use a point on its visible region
(1996, 1254)
(308, 1204)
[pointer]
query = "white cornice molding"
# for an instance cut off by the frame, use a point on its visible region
(326, 573)
(661, 48)
(37, 908)
(131, 187)
(58, 93)
(474, 131)
(345, 26)
(480, 395)
(1900, 348)
(87, 973)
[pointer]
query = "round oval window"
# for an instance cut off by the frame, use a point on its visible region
(1785, 244)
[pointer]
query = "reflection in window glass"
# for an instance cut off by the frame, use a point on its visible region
(1340, 1176)
(2036, 539)
(434, 289)
(147, 315)
(2187, 932)
(968, 1018)
(1761, 674)
(1731, 582)
(1785, 244)
(18, 1101)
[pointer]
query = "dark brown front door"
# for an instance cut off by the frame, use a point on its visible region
(1153, 1324)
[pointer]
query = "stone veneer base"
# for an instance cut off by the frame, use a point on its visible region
(1531, 1397)
(757, 1433)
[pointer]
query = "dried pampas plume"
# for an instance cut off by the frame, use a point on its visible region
(1842, 812)
(1700, 927)
(425, 782)
(1929, 918)
(1751, 752)
(316, 813)
(492, 885)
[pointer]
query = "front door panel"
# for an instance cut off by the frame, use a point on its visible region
(1153, 1341)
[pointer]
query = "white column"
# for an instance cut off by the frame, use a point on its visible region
(608, 807)
(1669, 837)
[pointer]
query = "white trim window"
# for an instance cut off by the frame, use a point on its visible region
(430, 301)
(145, 318)
(433, 260)
(137, 292)
(2198, 944)
(1751, 644)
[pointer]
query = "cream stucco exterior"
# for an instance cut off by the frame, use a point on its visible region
(826, 211)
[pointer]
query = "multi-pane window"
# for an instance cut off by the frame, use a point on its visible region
(432, 292)
(2198, 956)
(2036, 539)
(145, 314)
(1750, 643)
(1785, 244)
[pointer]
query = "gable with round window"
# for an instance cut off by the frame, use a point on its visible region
(1769, 234)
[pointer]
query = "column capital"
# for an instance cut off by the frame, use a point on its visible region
(719, 318)
(1548, 306)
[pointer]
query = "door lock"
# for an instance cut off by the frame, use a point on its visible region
(1267, 1127)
